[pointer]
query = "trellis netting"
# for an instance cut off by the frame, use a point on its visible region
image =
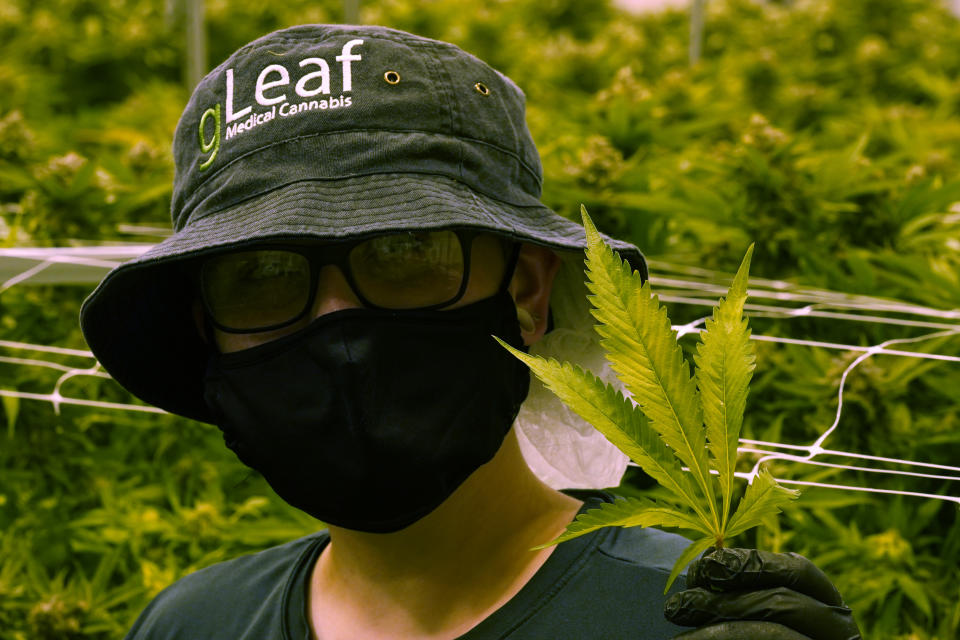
(676, 285)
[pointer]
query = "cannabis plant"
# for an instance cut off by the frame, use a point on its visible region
(682, 430)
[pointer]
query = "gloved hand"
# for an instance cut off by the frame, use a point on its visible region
(745, 594)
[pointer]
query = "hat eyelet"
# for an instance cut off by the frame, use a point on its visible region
(482, 89)
(391, 77)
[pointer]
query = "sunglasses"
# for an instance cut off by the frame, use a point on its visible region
(272, 286)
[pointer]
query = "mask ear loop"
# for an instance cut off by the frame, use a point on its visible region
(209, 330)
(524, 319)
(511, 266)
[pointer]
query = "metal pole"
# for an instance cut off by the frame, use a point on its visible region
(351, 11)
(196, 42)
(697, 11)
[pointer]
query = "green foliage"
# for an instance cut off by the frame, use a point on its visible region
(686, 417)
(825, 131)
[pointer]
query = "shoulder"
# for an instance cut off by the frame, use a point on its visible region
(607, 584)
(645, 547)
(228, 597)
(617, 591)
(642, 547)
(623, 560)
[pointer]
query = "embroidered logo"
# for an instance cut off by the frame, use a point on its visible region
(272, 91)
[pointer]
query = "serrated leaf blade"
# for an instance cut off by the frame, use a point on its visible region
(725, 362)
(763, 498)
(642, 348)
(617, 419)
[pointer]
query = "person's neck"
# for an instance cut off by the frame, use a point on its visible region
(445, 573)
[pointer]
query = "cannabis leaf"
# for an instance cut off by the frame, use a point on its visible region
(682, 430)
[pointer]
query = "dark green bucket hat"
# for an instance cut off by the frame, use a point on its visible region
(329, 133)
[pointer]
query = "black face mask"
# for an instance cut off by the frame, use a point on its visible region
(370, 419)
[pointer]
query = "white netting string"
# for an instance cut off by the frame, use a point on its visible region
(818, 304)
(675, 284)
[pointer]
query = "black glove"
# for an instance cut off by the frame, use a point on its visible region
(745, 594)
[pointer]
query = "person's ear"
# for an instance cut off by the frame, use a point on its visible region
(530, 287)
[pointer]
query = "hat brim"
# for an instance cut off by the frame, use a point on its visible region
(139, 322)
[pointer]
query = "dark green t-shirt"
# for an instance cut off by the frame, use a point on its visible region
(606, 585)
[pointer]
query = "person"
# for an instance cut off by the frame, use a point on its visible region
(356, 213)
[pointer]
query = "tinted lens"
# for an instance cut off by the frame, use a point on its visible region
(253, 289)
(408, 270)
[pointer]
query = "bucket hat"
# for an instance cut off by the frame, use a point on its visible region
(324, 132)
